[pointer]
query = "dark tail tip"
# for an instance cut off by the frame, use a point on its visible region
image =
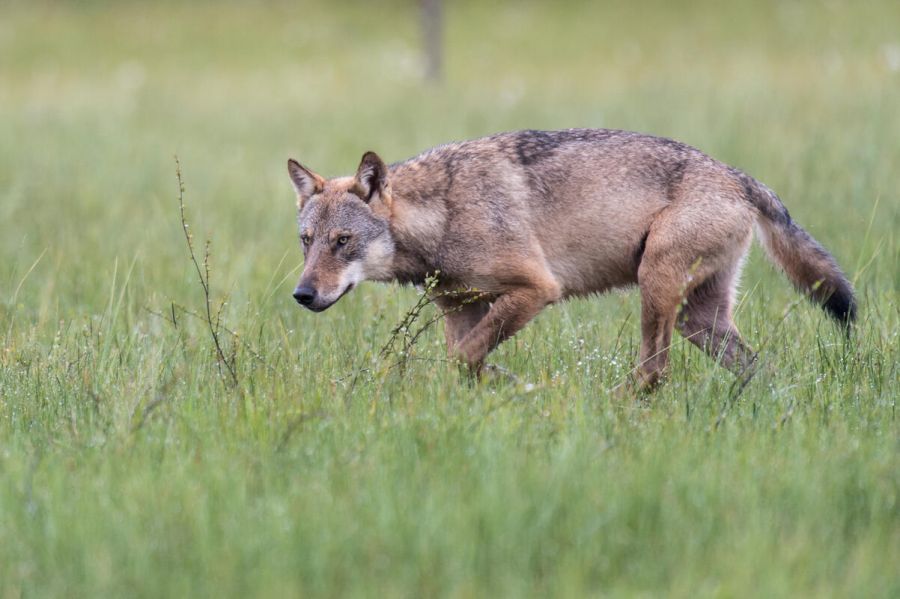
(841, 306)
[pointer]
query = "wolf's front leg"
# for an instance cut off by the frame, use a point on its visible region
(509, 313)
(460, 317)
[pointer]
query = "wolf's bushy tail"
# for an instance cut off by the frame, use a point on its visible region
(806, 263)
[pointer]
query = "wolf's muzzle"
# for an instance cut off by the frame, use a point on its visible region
(305, 295)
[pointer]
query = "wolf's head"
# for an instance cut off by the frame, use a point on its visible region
(344, 230)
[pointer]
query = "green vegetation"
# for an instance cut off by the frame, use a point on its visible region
(131, 466)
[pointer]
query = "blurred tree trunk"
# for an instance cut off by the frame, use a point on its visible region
(432, 14)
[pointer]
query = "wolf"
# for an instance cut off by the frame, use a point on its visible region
(516, 221)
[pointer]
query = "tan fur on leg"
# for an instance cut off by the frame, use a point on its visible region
(509, 313)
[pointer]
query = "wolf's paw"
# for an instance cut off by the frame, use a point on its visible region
(645, 383)
(493, 373)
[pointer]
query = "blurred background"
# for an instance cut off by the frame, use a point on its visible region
(97, 97)
(130, 465)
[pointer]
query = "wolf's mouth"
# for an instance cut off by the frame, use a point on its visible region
(324, 307)
(345, 292)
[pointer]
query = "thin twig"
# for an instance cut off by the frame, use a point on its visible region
(203, 280)
(234, 334)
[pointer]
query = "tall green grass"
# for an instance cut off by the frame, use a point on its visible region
(130, 465)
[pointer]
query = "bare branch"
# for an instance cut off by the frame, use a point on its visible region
(203, 279)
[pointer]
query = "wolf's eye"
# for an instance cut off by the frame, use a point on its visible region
(343, 239)
(305, 239)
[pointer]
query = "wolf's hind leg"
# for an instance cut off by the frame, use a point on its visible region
(706, 322)
(693, 253)
(660, 297)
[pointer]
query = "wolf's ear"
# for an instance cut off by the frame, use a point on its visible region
(306, 183)
(371, 177)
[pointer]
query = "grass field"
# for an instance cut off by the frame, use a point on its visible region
(130, 465)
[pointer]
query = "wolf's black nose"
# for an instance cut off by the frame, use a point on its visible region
(305, 295)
